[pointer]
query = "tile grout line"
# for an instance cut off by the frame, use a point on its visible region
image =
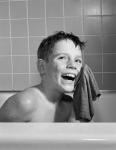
(45, 18)
(44, 36)
(28, 41)
(63, 15)
(11, 47)
(82, 15)
(16, 19)
(87, 54)
(101, 4)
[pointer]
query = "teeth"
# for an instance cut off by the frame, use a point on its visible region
(71, 75)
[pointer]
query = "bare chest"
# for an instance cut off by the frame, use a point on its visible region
(52, 113)
(44, 113)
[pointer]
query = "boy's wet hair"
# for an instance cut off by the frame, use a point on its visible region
(46, 46)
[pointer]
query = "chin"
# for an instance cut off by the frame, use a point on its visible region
(68, 89)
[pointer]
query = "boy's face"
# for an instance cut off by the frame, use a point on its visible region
(64, 65)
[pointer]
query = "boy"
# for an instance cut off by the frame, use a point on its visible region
(59, 62)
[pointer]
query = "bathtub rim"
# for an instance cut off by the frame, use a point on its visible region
(58, 132)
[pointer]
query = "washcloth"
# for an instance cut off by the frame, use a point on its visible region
(86, 91)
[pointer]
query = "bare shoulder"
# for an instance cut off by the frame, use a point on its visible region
(20, 106)
(26, 99)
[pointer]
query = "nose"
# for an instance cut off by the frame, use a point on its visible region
(71, 64)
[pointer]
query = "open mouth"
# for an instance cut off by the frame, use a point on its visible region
(69, 76)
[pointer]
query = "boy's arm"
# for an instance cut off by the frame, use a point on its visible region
(17, 108)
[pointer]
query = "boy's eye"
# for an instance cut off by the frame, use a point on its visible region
(62, 57)
(78, 61)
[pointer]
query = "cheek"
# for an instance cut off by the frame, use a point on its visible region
(79, 68)
(57, 71)
(58, 66)
(53, 71)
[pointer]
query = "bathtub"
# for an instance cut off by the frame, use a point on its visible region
(57, 136)
(100, 134)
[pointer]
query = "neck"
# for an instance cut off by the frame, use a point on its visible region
(52, 94)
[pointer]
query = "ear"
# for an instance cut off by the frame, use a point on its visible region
(41, 65)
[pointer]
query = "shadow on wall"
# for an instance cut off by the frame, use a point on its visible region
(105, 107)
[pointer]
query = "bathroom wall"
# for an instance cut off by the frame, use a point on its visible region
(24, 23)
